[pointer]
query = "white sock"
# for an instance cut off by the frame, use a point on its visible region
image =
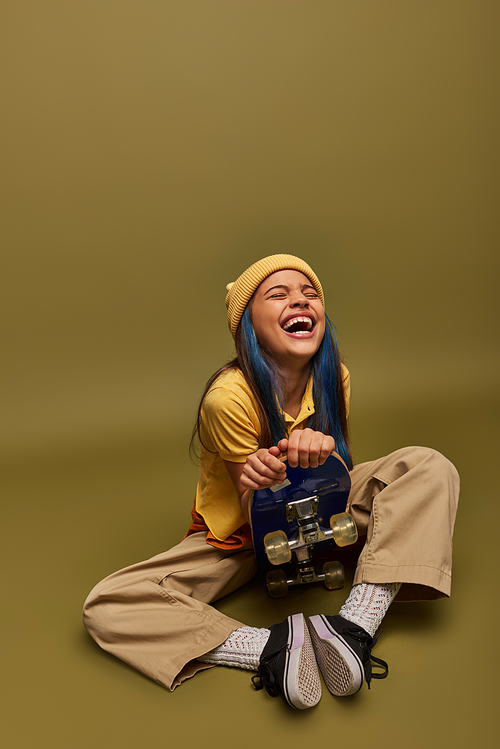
(242, 649)
(367, 604)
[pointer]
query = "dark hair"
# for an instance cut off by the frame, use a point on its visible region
(262, 376)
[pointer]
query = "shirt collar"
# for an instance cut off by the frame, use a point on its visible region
(306, 407)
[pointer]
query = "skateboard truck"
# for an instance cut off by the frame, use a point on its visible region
(302, 517)
(304, 511)
(279, 547)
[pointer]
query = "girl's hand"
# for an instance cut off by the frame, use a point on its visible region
(263, 469)
(306, 447)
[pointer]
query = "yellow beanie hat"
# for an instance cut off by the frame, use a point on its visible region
(240, 291)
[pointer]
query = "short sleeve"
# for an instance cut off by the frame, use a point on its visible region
(229, 424)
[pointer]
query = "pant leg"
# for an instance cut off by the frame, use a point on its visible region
(406, 504)
(155, 615)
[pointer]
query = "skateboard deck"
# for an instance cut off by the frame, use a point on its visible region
(292, 523)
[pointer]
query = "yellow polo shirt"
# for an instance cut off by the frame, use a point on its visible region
(230, 430)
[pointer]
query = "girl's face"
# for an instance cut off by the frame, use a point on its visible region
(288, 317)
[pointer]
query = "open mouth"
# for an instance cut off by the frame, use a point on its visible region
(298, 325)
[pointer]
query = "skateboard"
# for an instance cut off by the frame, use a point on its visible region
(295, 522)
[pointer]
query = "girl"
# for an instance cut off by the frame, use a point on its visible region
(286, 392)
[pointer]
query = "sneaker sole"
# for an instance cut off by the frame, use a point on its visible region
(341, 668)
(302, 683)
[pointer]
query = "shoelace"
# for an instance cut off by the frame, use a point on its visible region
(265, 677)
(367, 643)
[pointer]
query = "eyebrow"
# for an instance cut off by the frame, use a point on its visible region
(287, 288)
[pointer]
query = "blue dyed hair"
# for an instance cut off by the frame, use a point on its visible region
(330, 415)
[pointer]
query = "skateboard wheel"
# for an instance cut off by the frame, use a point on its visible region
(344, 529)
(334, 575)
(276, 546)
(277, 586)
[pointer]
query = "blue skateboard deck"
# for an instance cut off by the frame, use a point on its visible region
(300, 508)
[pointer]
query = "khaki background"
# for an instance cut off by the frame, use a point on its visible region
(150, 152)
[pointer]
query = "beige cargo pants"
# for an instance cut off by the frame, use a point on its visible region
(156, 616)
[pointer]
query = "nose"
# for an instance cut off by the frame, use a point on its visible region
(299, 300)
